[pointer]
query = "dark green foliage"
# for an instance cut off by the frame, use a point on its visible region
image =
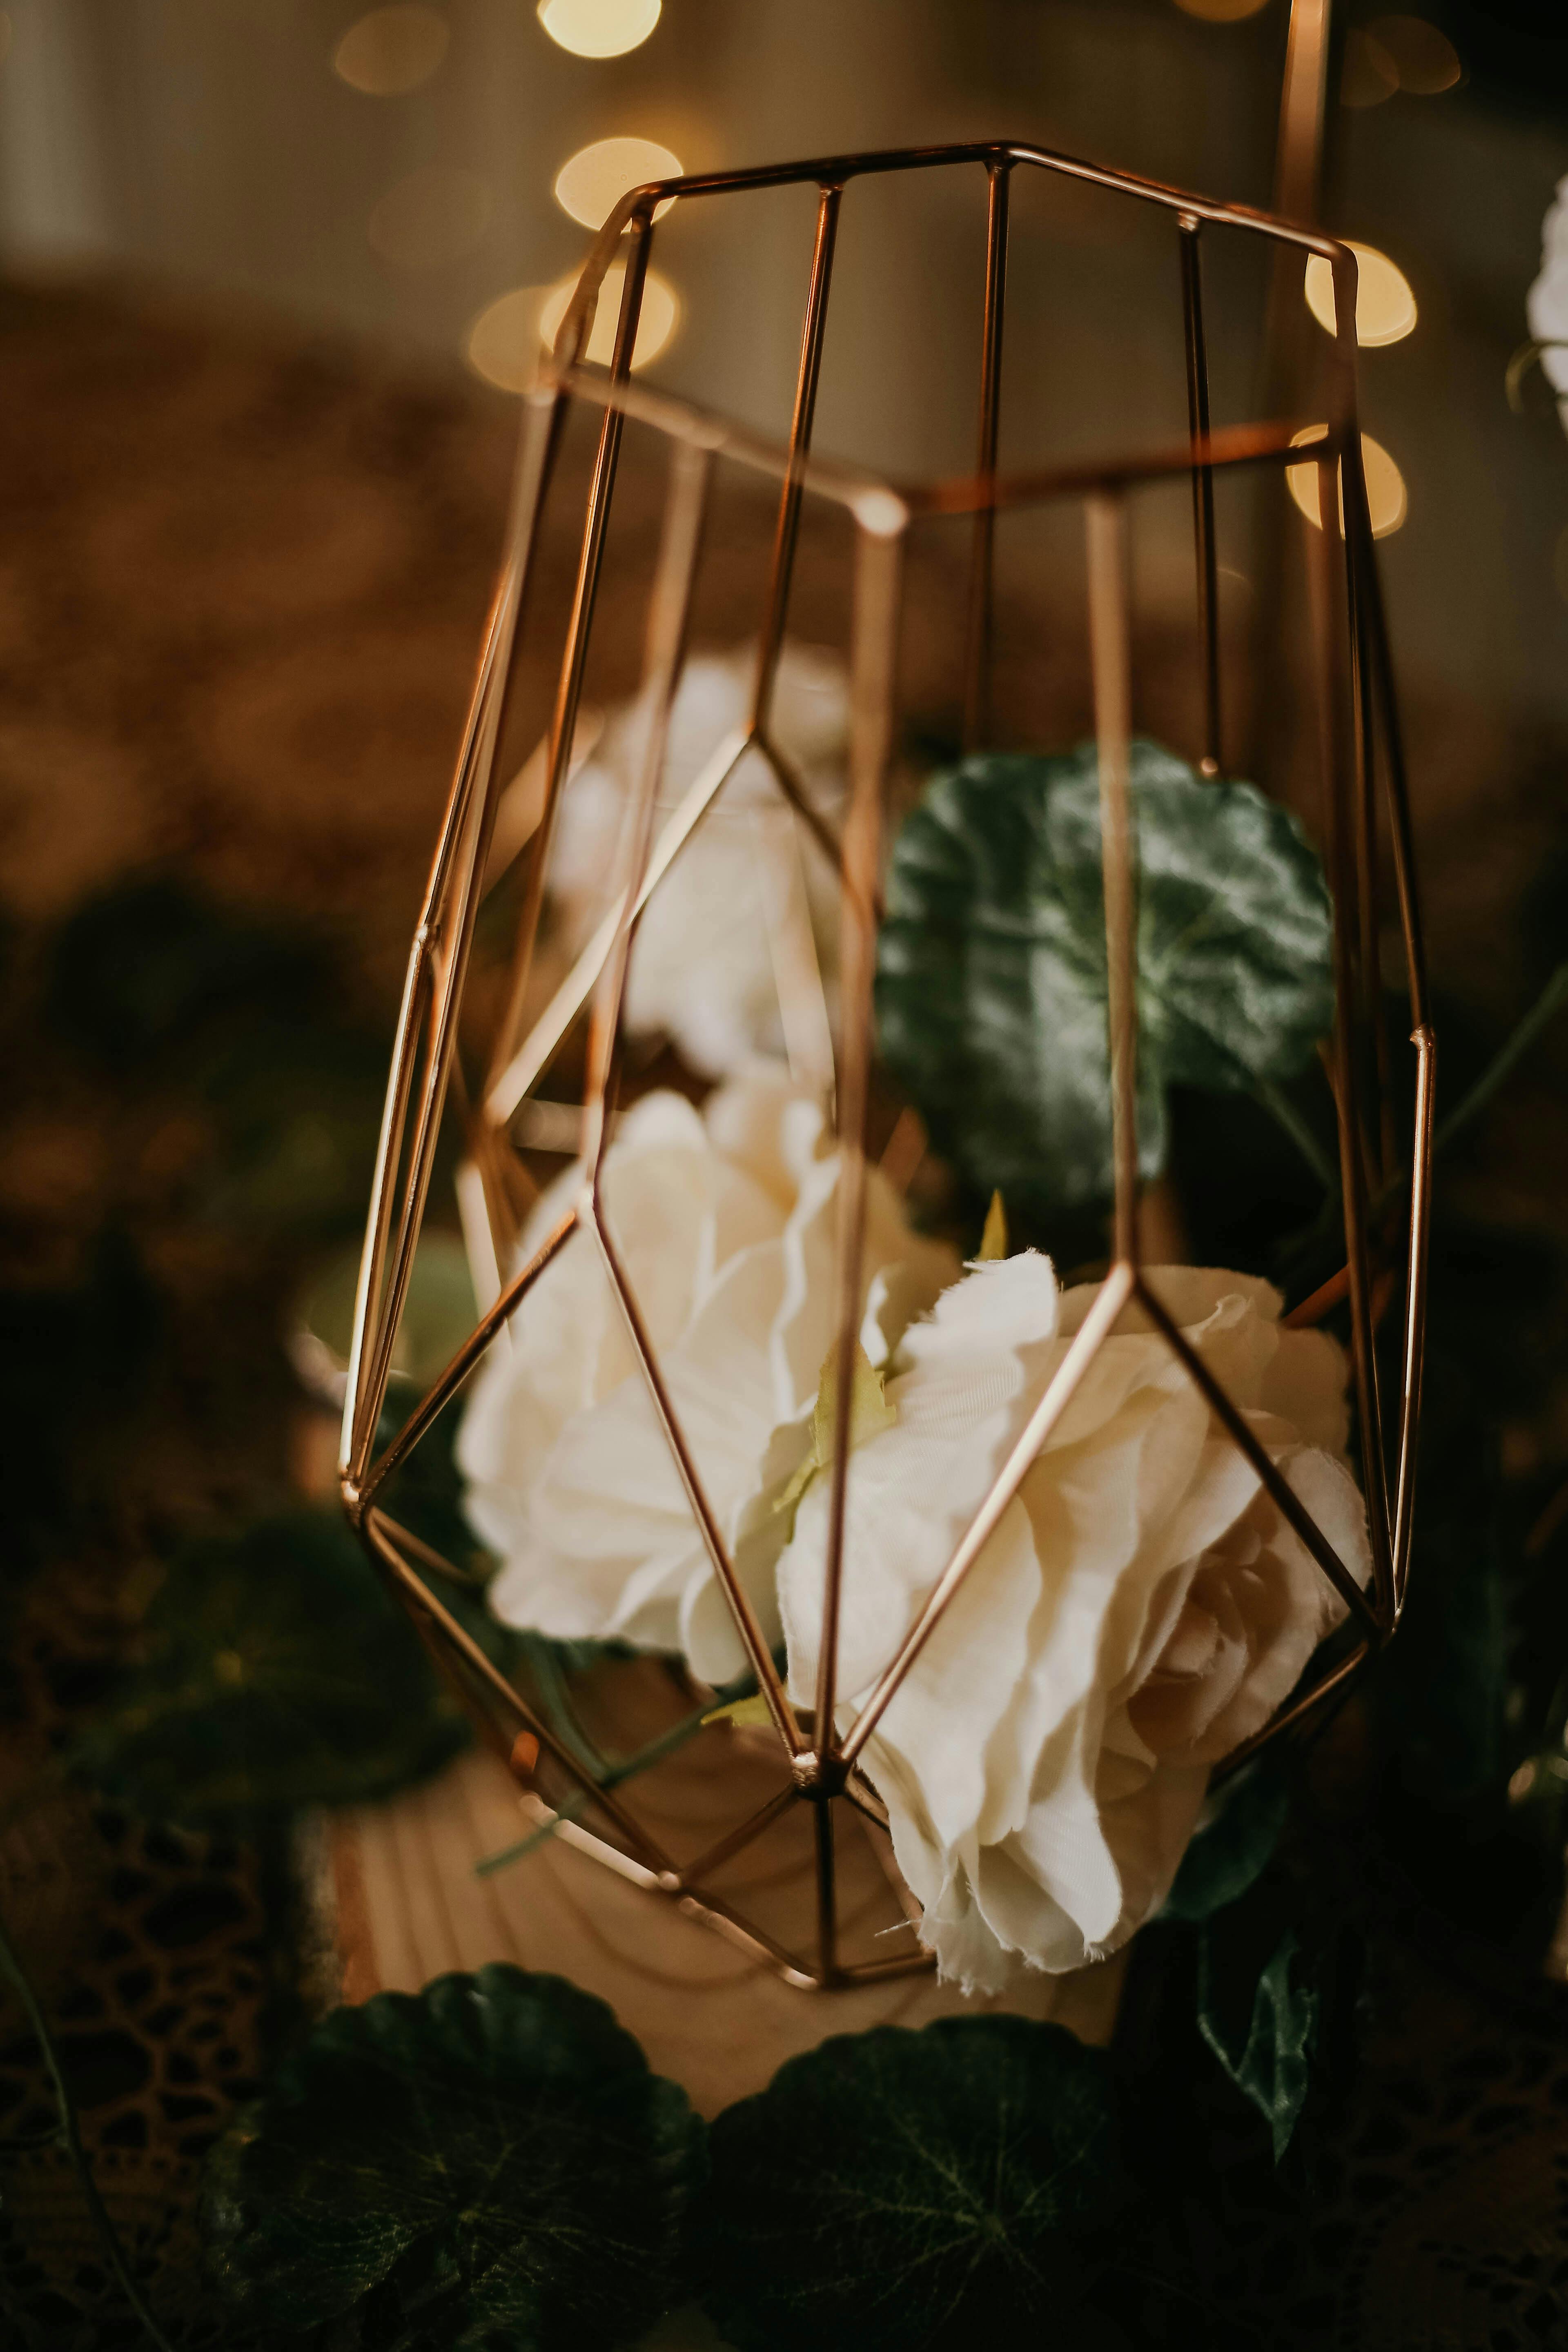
(275, 1672)
(1225, 1858)
(914, 2189)
(991, 992)
(145, 971)
(489, 2164)
(240, 1019)
(75, 1361)
(1258, 2011)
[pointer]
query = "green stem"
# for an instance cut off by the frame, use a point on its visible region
(641, 1759)
(1284, 1111)
(1552, 997)
(71, 2133)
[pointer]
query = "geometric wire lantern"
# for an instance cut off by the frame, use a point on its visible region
(1359, 748)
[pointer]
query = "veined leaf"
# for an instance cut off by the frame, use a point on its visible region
(1258, 2011)
(991, 991)
(908, 2189)
(277, 1671)
(489, 2164)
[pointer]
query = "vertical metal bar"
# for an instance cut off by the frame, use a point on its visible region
(670, 614)
(879, 562)
(1303, 110)
(1105, 518)
(827, 1892)
(442, 959)
(1202, 487)
(1331, 633)
(788, 527)
(569, 691)
(981, 558)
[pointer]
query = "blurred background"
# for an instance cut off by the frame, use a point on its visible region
(272, 274)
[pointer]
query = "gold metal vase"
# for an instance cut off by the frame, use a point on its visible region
(1384, 1179)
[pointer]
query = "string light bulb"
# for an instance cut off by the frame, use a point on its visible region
(392, 50)
(1386, 501)
(590, 184)
(599, 28)
(1384, 304)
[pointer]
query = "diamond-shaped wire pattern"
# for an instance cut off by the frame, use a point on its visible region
(1359, 743)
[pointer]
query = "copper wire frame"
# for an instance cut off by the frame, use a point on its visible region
(1359, 740)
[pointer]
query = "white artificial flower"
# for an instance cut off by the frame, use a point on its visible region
(726, 1224)
(1139, 1610)
(701, 970)
(1547, 308)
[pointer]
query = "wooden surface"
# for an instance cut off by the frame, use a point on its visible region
(409, 1905)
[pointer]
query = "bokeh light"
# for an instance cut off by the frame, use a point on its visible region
(590, 184)
(1222, 11)
(431, 217)
(1425, 59)
(661, 312)
(1387, 503)
(392, 50)
(506, 339)
(1370, 74)
(1384, 305)
(599, 28)
(503, 342)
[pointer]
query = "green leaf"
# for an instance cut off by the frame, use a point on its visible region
(1258, 2011)
(893, 2188)
(991, 992)
(489, 2163)
(276, 1671)
(1233, 1849)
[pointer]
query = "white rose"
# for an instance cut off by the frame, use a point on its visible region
(726, 1224)
(1547, 308)
(701, 970)
(1141, 1609)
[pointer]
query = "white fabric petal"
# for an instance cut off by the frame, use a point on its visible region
(1141, 1608)
(726, 1227)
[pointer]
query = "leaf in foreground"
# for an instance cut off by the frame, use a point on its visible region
(895, 2188)
(490, 2163)
(991, 990)
(276, 1671)
(1258, 2010)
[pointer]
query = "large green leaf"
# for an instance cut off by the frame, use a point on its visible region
(275, 1671)
(490, 2164)
(991, 991)
(911, 2190)
(1232, 1849)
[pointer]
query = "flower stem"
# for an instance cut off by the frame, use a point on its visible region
(69, 2135)
(641, 1759)
(1550, 1002)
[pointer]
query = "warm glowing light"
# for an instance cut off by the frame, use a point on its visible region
(1425, 59)
(1370, 74)
(505, 339)
(392, 49)
(1384, 305)
(1222, 11)
(432, 216)
(1387, 502)
(655, 325)
(503, 342)
(590, 184)
(599, 29)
